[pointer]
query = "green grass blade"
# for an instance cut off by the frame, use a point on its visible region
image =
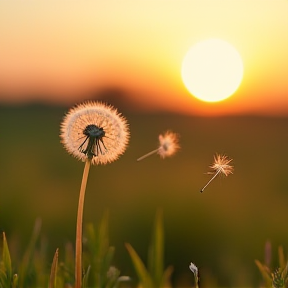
(53, 274)
(266, 274)
(3, 278)
(98, 253)
(104, 234)
(156, 250)
(107, 259)
(6, 259)
(5, 265)
(112, 277)
(98, 243)
(15, 281)
(143, 275)
(166, 278)
(282, 261)
(86, 276)
(28, 256)
(285, 274)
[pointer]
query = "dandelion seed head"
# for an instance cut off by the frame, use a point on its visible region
(94, 130)
(169, 144)
(221, 164)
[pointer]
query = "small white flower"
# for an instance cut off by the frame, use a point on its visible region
(124, 279)
(193, 268)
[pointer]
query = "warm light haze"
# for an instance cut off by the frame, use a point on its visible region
(212, 70)
(65, 51)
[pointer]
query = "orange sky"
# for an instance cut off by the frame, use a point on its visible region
(66, 49)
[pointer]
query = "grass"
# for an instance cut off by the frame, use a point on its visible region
(98, 268)
(277, 277)
(33, 271)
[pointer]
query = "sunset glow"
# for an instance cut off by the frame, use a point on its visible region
(212, 70)
(62, 52)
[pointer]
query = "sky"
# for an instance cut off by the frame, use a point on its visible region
(64, 51)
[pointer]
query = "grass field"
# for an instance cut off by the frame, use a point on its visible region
(222, 230)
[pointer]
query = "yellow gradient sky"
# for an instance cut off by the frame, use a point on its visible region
(60, 51)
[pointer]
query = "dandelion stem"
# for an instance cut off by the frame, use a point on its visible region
(78, 248)
(218, 171)
(148, 154)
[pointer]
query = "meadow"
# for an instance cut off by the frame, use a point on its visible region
(222, 230)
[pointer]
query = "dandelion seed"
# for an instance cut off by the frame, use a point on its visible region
(220, 165)
(168, 145)
(96, 134)
(96, 131)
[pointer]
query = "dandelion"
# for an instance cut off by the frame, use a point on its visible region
(94, 133)
(168, 145)
(220, 165)
(194, 270)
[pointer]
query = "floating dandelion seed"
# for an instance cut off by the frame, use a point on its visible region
(96, 134)
(96, 131)
(220, 165)
(168, 145)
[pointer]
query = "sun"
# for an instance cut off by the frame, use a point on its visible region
(212, 70)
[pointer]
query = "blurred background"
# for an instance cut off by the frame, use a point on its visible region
(129, 54)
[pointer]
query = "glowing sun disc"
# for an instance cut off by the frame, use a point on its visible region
(212, 70)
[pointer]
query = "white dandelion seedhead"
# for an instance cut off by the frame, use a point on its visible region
(96, 131)
(221, 165)
(168, 145)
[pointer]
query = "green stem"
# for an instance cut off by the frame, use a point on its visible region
(78, 248)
